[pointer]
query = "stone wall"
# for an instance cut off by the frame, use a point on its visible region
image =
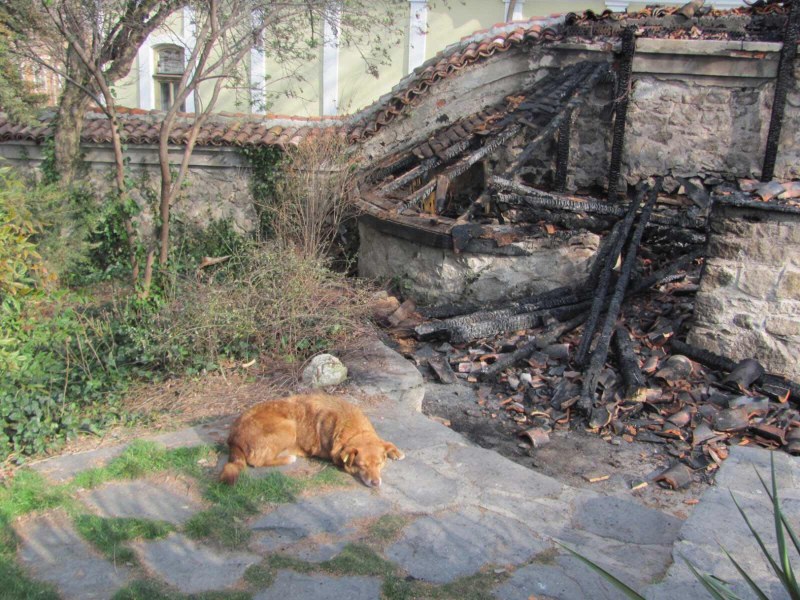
(218, 185)
(698, 108)
(748, 304)
(437, 275)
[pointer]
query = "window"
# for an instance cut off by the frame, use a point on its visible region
(169, 70)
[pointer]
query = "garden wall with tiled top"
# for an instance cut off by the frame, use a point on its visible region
(748, 305)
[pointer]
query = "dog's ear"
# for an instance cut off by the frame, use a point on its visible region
(348, 455)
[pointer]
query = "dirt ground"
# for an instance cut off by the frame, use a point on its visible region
(573, 456)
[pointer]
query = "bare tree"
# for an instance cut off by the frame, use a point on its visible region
(91, 44)
(226, 31)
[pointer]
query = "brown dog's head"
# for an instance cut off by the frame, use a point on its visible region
(367, 460)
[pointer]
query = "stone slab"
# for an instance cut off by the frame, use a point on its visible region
(416, 487)
(443, 548)
(331, 513)
(376, 370)
(488, 471)
(316, 552)
(564, 578)
(289, 584)
(145, 499)
(192, 567)
(52, 551)
(411, 431)
(626, 521)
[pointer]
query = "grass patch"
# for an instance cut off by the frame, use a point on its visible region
(224, 522)
(143, 458)
(29, 492)
(473, 587)
(15, 584)
(387, 528)
(146, 589)
(358, 559)
(110, 535)
(329, 477)
(259, 576)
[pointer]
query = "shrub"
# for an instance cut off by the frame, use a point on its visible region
(313, 193)
(269, 299)
(62, 377)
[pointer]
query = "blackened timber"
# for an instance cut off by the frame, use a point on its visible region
(467, 332)
(528, 196)
(783, 84)
(420, 170)
(722, 363)
(600, 353)
(605, 279)
(562, 153)
(464, 164)
(664, 273)
(704, 357)
(632, 376)
(509, 360)
(579, 95)
(453, 326)
(621, 110)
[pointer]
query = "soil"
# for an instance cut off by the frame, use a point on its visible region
(573, 456)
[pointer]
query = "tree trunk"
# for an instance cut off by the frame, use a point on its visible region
(67, 136)
(69, 123)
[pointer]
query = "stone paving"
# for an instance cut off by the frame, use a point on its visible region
(465, 511)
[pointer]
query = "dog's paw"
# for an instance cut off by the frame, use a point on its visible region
(291, 459)
(398, 456)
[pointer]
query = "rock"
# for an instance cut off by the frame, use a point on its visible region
(145, 500)
(192, 567)
(324, 370)
(53, 551)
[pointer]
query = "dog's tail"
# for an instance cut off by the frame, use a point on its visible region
(236, 462)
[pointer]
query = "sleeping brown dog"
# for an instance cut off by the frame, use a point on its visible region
(278, 431)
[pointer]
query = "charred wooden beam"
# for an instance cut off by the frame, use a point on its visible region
(621, 110)
(600, 353)
(632, 376)
(783, 83)
(562, 153)
(528, 196)
(420, 170)
(509, 360)
(605, 279)
(722, 363)
(579, 95)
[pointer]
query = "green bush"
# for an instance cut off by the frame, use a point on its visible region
(63, 378)
(266, 300)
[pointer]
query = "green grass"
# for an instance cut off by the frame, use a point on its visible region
(473, 587)
(143, 458)
(387, 528)
(110, 535)
(15, 584)
(358, 559)
(145, 589)
(223, 523)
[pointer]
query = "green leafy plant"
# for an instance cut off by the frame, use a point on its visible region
(781, 564)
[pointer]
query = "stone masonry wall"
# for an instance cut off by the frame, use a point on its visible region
(748, 305)
(437, 275)
(217, 187)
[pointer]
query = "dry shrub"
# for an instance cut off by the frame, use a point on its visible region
(270, 300)
(314, 193)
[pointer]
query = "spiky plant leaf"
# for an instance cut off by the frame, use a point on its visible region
(626, 590)
(753, 585)
(714, 587)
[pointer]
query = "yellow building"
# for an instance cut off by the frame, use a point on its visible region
(335, 81)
